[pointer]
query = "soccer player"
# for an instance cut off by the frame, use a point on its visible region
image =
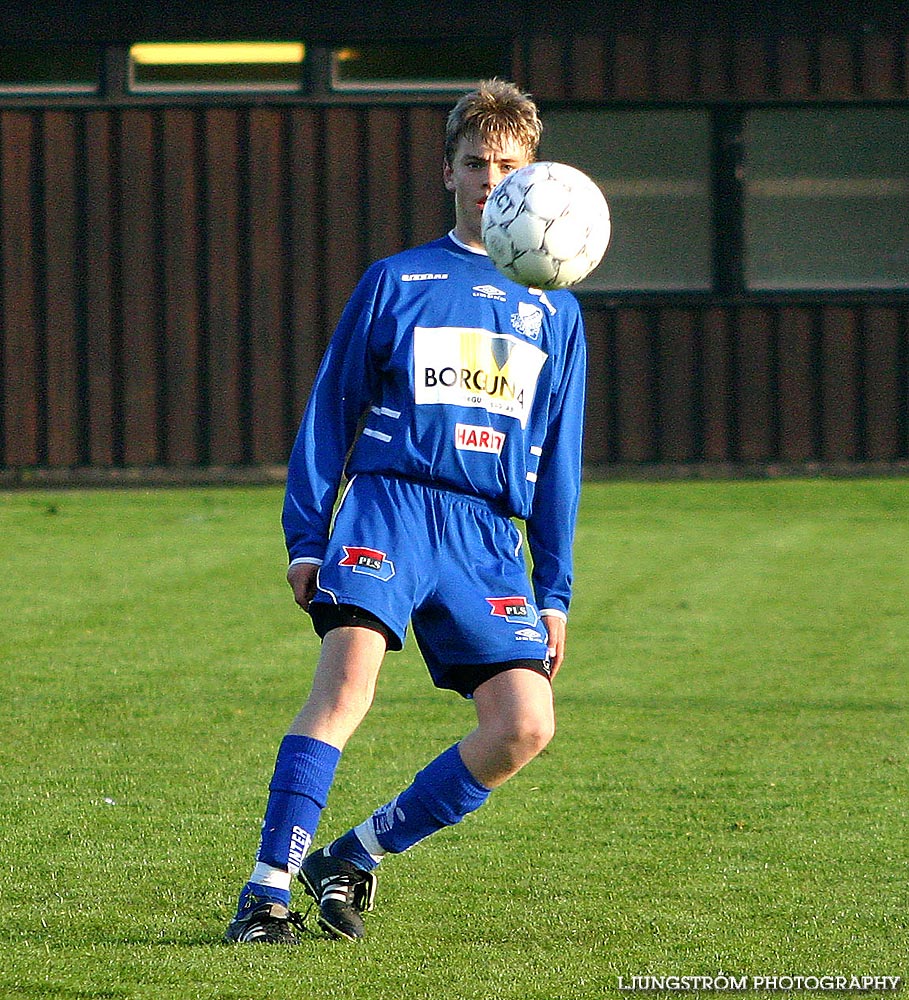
(452, 399)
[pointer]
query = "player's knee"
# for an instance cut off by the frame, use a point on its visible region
(539, 734)
(527, 736)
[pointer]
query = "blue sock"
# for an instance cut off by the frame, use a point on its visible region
(442, 794)
(350, 848)
(254, 893)
(304, 771)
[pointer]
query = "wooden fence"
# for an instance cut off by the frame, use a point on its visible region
(170, 272)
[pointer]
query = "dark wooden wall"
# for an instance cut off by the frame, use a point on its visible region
(170, 276)
(757, 67)
(170, 272)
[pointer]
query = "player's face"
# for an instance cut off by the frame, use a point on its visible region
(475, 170)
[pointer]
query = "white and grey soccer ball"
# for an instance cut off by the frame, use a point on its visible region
(546, 225)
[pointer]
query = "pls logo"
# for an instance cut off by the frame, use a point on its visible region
(513, 609)
(368, 561)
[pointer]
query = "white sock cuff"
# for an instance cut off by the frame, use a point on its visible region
(367, 837)
(275, 878)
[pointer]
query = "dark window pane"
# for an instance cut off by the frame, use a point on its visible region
(49, 68)
(416, 65)
(826, 198)
(654, 169)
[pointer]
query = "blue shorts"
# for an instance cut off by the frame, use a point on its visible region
(446, 563)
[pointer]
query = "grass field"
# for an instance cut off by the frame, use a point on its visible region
(727, 791)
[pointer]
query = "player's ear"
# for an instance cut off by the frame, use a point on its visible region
(447, 175)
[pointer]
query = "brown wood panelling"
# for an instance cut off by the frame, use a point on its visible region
(589, 67)
(840, 386)
(794, 67)
(884, 400)
(754, 404)
(223, 362)
(308, 333)
(101, 375)
(267, 266)
(880, 66)
(182, 407)
(636, 415)
(632, 68)
(751, 67)
(341, 207)
(139, 297)
(678, 405)
(387, 203)
(23, 402)
(795, 389)
(837, 67)
(171, 272)
(714, 69)
(675, 66)
(61, 289)
(717, 388)
(546, 67)
(429, 209)
(598, 436)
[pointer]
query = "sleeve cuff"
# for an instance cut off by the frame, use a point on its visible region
(553, 613)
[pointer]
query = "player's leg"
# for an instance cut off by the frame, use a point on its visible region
(441, 794)
(467, 622)
(515, 722)
(343, 686)
(377, 561)
(477, 630)
(341, 694)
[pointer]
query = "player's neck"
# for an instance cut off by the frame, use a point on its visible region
(467, 244)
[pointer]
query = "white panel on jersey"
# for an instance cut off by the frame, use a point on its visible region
(473, 367)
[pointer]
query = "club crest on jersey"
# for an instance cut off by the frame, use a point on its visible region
(370, 562)
(528, 320)
(513, 609)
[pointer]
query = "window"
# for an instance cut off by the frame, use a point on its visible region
(654, 167)
(416, 65)
(38, 69)
(826, 198)
(216, 66)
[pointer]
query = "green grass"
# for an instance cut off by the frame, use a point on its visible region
(727, 790)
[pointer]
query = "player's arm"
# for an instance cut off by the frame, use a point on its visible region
(342, 389)
(550, 527)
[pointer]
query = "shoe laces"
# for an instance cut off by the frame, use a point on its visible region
(273, 928)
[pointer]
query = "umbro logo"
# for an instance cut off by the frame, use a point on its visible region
(488, 292)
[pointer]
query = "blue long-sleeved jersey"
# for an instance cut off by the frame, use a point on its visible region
(457, 377)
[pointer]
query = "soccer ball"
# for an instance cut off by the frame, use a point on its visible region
(546, 225)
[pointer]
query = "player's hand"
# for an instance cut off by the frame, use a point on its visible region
(556, 629)
(302, 580)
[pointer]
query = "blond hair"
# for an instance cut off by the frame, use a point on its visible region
(496, 110)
